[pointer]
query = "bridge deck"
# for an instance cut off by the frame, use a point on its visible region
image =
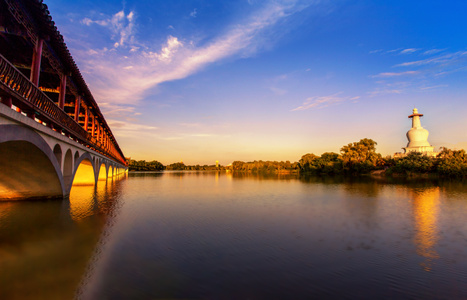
(39, 78)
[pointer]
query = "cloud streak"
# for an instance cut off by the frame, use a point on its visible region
(396, 74)
(322, 102)
(125, 77)
(409, 51)
(443, 59)
(423, 74)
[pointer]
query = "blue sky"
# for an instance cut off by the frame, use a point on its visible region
(201, 81)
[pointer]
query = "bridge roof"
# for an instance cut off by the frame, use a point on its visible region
(40, 15)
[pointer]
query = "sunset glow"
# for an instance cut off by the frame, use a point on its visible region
(250, 80)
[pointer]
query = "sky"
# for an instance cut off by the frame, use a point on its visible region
(200, 81)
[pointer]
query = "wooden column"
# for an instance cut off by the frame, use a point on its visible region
(77, 108)
(62, 92)
(93, 126)
(36, 62)
(86, 119)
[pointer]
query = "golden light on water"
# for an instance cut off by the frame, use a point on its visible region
(7, 193)
(81, 201)
(425, 209)
(5, 209)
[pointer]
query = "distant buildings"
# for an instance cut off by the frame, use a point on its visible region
(418, 138)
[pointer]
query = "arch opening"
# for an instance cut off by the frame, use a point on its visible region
(27, 172)
(84, 174)
(102, 173)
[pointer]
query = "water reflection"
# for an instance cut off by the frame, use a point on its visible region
(211, 235)
(425, 209)
(45, 246)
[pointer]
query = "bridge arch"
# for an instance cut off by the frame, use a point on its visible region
(102, 174)
(84, 173)
(30, 169)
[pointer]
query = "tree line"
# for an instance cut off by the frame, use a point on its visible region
(354, 158)
(142, 165)
(361, 158)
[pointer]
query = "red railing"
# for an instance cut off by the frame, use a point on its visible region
(31, 99)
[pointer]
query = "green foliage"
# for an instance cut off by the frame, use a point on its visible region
(178, 166)
(264, 166)
(413, 163)
(142, 165)
(204, 168)
(328, 163)
(448, 163)
(360, 156)
(356, 158)
(452, 163)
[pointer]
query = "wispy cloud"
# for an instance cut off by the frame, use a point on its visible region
(384, 91)
(120, 24)
(423, 74)
(424, 88)
(322, 102)
(121, 125)
(131, 129)
(125, 76)
(443, 59)
(193, 13)
(396, 74)
(394, 50)
(433, 51)
(409, 51)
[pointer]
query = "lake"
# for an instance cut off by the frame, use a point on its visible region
(209, 235)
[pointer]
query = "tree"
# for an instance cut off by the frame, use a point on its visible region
(142, 165)
(451, 163)
(361, 156)
(176, 166)
(306, 162)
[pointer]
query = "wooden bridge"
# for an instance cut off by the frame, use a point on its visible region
(52, 132)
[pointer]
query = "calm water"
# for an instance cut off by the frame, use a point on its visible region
(224, 236)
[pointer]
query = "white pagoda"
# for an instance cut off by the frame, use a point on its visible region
(418, 137)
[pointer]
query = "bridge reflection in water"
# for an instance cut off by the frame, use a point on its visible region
(46, 245)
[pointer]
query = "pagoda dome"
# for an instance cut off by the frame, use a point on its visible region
(417, 135)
